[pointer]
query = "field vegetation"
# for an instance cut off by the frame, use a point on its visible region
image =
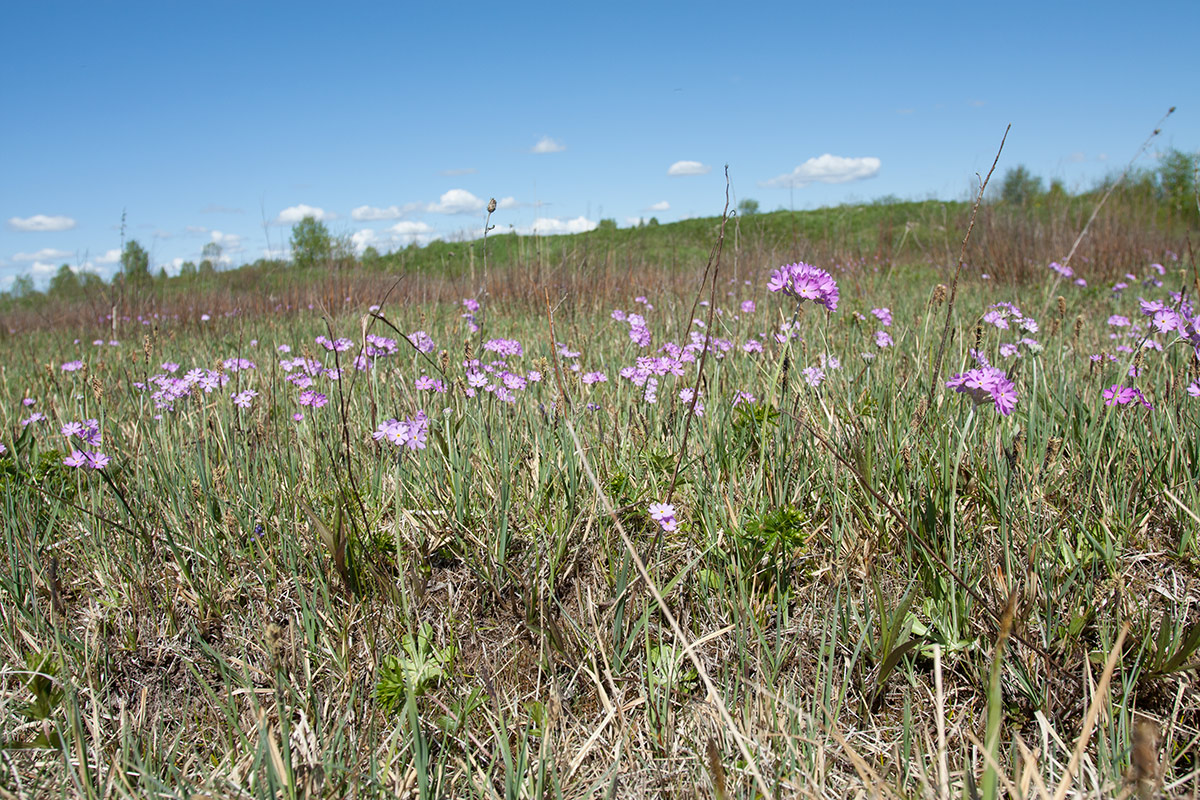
(774, 504)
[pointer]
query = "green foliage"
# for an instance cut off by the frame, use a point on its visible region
(43, 707)
(421, 666)
(748, 207)
(606, 224)
(1177, 178)
(311, 242)
(135, 263)
(1020, 187)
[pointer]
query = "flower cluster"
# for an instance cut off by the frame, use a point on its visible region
(664, 515)
(411, 433)
(987, 384)
(805, 282)
(88, 432)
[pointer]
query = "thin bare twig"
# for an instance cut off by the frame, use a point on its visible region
(962, 255)
(714, 263)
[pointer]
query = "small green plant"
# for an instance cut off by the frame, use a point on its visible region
(769, 544)
(421, 666)
(47, 693)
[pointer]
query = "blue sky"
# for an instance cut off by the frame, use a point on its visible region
(224, 122)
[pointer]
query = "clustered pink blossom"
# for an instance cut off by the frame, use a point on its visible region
(805, 282)
(987, 384)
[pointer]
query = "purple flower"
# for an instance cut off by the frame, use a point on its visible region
(594, 377)
(748, 306)
(805, 282)
(470, 304)
(72, 366)
(883, 339)
(504, 347)
(1193, 389)
(28, 401)
(422, 341)
(313, 399)
(813, 376)
(428, 384)
(243, 398)
(410, 433)
(884, 315)
(987, 384)
(3, 449)
(1117, 395)
(664, 515)
(76, 459)
(1117, 321)
(36, 416)
(1064, 271)
(97, 460)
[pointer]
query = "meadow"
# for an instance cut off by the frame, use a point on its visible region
(788, 512)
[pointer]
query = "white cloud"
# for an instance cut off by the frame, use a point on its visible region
(227, 241)
(409, 228)
(41, 223)
(549, 226)
(373, 214)
(109, 257)
(688, 168)
(507, 202)
(46, 254)
(41, 269)
(548, 145)
(661, 205)
(363, 239)
(294, 214)
(456, 201)
(827, 169)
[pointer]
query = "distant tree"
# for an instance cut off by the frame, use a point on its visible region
(211, 252)
(162, 274)
(206, 267)
(187, 269)
(311, 243)
(652, 222)
(748, 207)
(1177, 177)
(135, 262)
(370, 256)
(607, 224)
(22, 286)
(65, 282)
(1020, 186)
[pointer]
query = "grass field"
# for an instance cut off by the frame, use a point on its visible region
(586, 527)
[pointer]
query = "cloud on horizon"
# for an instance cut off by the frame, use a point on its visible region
(45, 254)
(294, 214)
(826, 169)
(661, 205)
(41, 223)
(688, 168)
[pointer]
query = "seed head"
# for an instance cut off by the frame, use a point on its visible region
(492, 206)
(939, 294)
(1062, 306)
